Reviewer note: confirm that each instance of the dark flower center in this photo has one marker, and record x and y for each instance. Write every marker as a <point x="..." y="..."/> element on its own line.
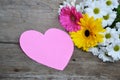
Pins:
<point x="87" y="33"/>
<point x="73" y="18"/>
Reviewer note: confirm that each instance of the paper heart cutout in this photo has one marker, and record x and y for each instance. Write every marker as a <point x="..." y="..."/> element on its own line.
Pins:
<point x="53" y="49"/>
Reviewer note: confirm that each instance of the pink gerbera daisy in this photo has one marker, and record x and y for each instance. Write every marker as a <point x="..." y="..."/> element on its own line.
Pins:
<point x="69" y="18"/>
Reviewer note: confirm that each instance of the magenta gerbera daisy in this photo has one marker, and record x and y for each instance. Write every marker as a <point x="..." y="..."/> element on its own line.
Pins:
<point x="69" y="18"/>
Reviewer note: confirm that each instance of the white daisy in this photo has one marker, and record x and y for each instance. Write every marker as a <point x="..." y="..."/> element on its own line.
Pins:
<point x="118" y="32"/>
<point x="110" y="36"/>
<point x="94" y="50"/>
<point x="109" y="18"/>
<point x="67" y="3"/>
<point x="111" y="3"/>
<point x="114" y="50"/>
<point x="88" y="2"/>
<point x="96" y="9"/>
<point x="118" y="25"/>
<point x="72" y="2"/>
<point x="104" y="55"/>
<point x="80" y="7"/>
<point x="83" y="4"/>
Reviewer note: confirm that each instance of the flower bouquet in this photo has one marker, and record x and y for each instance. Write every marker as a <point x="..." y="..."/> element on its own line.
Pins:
<point x="94" y="26"/>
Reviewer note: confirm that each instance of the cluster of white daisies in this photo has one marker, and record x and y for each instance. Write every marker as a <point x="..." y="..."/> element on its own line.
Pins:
<point x="109" y="49"/>
<point x="100" y="9"/>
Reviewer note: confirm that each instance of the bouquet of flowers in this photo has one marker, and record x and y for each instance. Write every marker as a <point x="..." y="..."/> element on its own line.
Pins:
<point x="94" y="26"/>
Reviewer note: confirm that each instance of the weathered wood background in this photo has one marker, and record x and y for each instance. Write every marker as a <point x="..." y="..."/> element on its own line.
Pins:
<point x="17" y="16"/>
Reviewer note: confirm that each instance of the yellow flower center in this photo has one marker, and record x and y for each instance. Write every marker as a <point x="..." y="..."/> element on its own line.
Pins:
<point x="108" y="2"/>
<point x="116" y="48"/>
<point x="106" y="17"/>
<point x="87" y="33"/>
<point x="108" y="36"/>
<point x="96" y="10"/>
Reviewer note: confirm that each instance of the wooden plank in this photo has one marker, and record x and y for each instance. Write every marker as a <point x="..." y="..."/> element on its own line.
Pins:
<point x="17" y="16"/>
<point x="12" y="27"/>
<point x="30" y="4"/>
<point x="52" y="77"/>
<point x="15" y="65"/>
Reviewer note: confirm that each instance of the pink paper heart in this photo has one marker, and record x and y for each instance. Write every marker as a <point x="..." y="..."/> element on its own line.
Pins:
<point x="53" y="49"/>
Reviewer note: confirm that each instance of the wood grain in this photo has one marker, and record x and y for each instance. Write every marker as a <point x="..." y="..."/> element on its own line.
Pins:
<point x="17" y="16"/>
<point x="16" y="65"/>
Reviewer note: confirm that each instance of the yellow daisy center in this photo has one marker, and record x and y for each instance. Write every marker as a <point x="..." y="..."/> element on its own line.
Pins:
<point x="106" y="17"/>
<point x="108" y="2"/>
<point x="96" y="10"/>
<point x="108" y="36"/>
<point x="116" y="48"/>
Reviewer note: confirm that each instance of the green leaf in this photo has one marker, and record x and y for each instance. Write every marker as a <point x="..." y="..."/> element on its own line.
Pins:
<point x="117" y="17"/>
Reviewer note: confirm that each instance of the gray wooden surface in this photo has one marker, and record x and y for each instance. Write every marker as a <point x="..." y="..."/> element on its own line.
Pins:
<point x="17" y="16"/>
